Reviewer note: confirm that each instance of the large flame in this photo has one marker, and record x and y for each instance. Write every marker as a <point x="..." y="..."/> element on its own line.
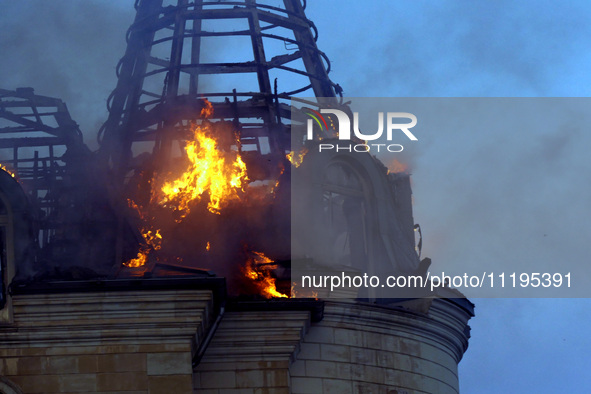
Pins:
<point x="215" y="174"/>
<point x="212" y="171"/>
<point x="215" y="171"/>
<point x="258" y="270"/>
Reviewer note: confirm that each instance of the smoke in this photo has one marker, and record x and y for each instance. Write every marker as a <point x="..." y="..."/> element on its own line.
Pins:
<point x="519" y="188"/>
<point x="418" y="48"/>
<point x="65" y="49"/>
<point x="493" y="197"/>
<point x="69" y="50"/>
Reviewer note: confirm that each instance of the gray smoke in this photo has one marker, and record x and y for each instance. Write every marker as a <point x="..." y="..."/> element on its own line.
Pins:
<point x="65" y="49"/>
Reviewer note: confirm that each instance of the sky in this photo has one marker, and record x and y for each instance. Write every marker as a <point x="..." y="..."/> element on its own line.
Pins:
<point x="490" y="197"/>
<point x="485" y="198"/>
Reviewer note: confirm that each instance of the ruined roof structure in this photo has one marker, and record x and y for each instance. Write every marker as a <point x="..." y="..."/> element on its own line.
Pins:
<point x="161" y="262"/>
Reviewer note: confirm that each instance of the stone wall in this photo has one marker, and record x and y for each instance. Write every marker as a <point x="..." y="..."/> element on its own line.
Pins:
<point x="362" y="348"/>
<point x="410" y="347"/>
<point x="110" y="342"/>
<point x="251" y="353"/>
<point x="146" y="342"/>
<point x="112" y="369"/>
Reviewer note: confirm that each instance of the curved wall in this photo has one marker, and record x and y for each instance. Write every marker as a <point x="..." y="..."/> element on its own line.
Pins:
<point x="413" y="347"/>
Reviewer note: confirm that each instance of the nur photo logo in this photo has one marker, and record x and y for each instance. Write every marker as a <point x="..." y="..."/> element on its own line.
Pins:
<point x="390" y="123"/>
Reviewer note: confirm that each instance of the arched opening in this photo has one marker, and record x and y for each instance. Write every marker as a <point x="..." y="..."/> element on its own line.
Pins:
<point x="8" y="387"/>
<point x="346" y="214"/>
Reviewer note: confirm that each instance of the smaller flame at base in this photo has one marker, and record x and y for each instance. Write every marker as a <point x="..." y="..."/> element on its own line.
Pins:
<point x="152" y="240"/>
<point x="258" y="269"/>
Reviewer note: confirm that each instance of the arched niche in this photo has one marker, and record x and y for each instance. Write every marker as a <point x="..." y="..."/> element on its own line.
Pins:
<point x="8" y="387"/>
<point x="345" y="214"/>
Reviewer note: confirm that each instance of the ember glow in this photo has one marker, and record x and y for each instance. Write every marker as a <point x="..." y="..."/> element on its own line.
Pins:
<point x="212" y="171"/>
<point x="2" y="167"/>
<point x="276" y="185"/>
<point x="258" y="269"/>
<point x="298" y="292"/>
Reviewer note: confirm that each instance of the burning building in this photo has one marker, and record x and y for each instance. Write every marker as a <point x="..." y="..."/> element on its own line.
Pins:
<point x="162" y="262"/>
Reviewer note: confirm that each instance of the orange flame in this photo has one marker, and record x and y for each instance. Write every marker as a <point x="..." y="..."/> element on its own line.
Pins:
<point x="258" y="269"/>
<point x="211" y="170"/>
<point x="215" y="171"/>
<point x="276" y="185"/>
<point x="140" y="260"/>
<point x="3" y="167"/>
<point x="397" y="167"/>
<point x="152" y="240"/>
<point x="207" y="110"/>
<point x="297" y="292"/>
<point x="208" y="246"/>
<point x="296" y="158"/>
<point x="132" y="204"/>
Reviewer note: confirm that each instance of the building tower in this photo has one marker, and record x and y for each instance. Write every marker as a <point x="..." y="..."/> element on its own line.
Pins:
<point x="158" y="322"/>
<point x="248" y="58"/>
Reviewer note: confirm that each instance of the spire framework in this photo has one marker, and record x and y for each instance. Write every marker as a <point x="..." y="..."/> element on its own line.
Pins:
<point x="247" y="58"/>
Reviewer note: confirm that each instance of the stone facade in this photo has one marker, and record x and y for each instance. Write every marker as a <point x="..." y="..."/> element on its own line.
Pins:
<point x="252" y="352"/>
<point x="110" y="342"/>
<point x="179" y="341"/>
<point x="361" y="348"/>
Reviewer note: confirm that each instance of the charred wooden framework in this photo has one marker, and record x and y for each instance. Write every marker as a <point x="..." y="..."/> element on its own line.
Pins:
<point x="164" y="74"/>
<point x="35" y="134"/>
